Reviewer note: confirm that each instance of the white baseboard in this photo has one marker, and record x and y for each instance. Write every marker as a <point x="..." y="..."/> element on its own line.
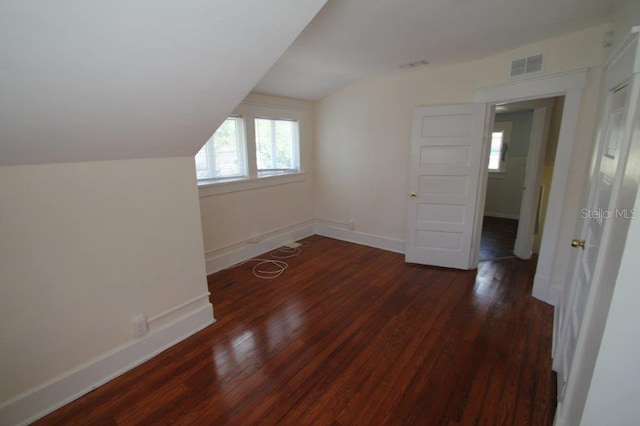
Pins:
<point x="543" y="290"/>
<point x="502" y="215"/>
<point x="384" y="243"/>
<point x="216" y="260"/>
<point x="46" y="398"/>
<point x="558" y="420"/>
<point x="540" y="287"/>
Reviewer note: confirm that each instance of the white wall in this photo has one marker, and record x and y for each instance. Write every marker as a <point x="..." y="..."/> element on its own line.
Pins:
<point x="615" y="386"/>
<point x="231" y="220"/>
<point x="504" y="190"/>
<point x="520" y="131"/>
<point x="85" y="247"/>
<point x="626" y="14"/>
<point x="363" y="131"/>
<point x="363" y="141"/>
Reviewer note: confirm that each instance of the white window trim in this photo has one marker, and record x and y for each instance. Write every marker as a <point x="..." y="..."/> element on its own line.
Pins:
<point x="242" y="184"/>
<point x="249" y="112"/>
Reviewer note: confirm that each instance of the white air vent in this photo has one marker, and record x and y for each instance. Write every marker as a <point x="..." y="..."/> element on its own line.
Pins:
<point x="527" y="65"/>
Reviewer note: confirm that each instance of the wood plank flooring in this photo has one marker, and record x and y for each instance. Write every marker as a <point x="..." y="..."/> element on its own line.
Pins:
<point x="349" y="335"/>
<point x="498" y="238"/>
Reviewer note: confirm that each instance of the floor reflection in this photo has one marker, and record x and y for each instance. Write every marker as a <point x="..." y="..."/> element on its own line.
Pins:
<point x="252" y="347"/>
<point x="286" y="326"/>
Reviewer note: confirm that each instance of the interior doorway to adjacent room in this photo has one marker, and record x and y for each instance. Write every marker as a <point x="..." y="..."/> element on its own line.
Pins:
<point x="520" y="163"/>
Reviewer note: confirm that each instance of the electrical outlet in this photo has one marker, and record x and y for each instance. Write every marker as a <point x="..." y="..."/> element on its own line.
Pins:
<point x="140" y="326"/>
<point x="351" y="225"/>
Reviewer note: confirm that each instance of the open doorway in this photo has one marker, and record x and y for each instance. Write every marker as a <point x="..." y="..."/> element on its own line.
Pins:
<point x="520" y="170"/>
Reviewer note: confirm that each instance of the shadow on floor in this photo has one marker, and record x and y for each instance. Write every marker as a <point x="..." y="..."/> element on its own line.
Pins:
<point x="498" y="238"/>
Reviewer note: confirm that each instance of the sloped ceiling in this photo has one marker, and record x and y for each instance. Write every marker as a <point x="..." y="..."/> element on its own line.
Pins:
<point x="350" y="40"/>
<point x="102" y="80"/>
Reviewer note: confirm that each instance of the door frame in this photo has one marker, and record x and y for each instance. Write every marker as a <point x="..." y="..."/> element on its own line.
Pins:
<point x="528" y="211"/>
<point x="569" y="85"/>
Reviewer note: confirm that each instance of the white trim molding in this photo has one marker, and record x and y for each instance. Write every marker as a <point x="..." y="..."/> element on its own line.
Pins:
<point x="543" y="290"/>
<point x="569" y="85"/>
<point x="502" y="215"/>
<point x="261" y="106"/>
<point x="48" y="397"/>
<point x="330" y="229"/>
<point x="244" y="184"/>
<point x="225" y="257"/>
<point x="531" y="88"/>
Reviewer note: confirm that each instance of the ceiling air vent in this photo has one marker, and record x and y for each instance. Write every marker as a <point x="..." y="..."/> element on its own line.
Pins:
<point x="527" y="65"/>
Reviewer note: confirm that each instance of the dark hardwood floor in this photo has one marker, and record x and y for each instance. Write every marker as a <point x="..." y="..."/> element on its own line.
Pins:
<point x="349" y="335"/>
<point x="498" y="237"/>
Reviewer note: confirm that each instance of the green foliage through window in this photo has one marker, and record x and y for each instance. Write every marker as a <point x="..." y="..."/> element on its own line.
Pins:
<point x="276" y="146"/>
<point x="223" y="156"/>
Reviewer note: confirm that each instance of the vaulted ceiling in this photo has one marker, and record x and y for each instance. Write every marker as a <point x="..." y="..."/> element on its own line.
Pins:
<point x="351" y="40"/>
<point x="103" y="80"/>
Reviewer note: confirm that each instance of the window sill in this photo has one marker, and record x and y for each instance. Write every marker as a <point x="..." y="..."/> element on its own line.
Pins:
<point x="207" y="189"/>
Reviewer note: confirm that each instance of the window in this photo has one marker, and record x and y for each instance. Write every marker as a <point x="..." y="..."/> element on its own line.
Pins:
<point x="495" y="154"/>
<point x="259" y="145"/>
<point x="500" y="138"/>
<point x="224" y="155"/>
<point x="276" y="146"/>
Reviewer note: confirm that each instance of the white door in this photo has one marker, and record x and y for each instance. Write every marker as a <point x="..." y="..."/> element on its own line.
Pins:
<point x="446" y="153"/>
<point x="573" y="307"/>
<point x="583" y="308"/>
<point x="530" y="203"/>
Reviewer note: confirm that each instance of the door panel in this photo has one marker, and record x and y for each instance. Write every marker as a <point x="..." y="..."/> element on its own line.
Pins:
<point x="453" y="155"/>
<point x="433" y="214"/>
<point x="602" y="200"/>
<point x="445" y="164"/>
<point x="444" y="185"/>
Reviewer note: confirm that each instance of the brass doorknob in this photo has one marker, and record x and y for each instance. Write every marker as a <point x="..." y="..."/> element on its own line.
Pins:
<point x="413" y="195"/>
<point x="577" y="243"/>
